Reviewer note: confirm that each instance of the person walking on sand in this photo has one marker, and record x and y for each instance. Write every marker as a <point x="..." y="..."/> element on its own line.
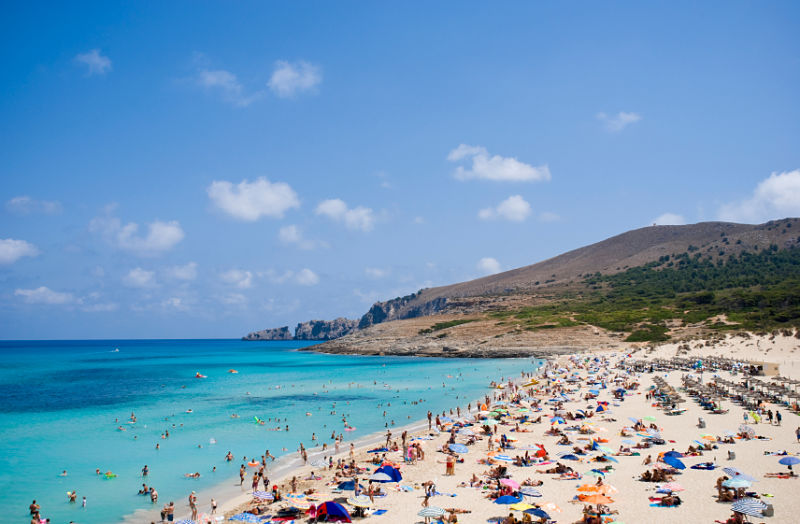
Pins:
<point x="241" y="474"/>
<point x="193" y="505"/>
<point x="778" y="417"/>
<point x="213" y="506"/>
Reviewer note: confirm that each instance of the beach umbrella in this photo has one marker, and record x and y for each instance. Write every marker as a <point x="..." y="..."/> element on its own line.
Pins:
<point x="348" y="485"/>
<point x="361" y="501"/>
<point x="489" y="422"/>
<point x="263" y="495"/>
<point x="520" y="506"/>
<point x="333" y="509"/>
<point x="458" y="448"/>
<point x="507" y="499"/>
<point x="594" y="391"/>
<point x="737" y="473"/>
<point x="513" y="484"/>
<point x="749" y="506"/>
<point x="432" y="512"/>
<point x="675" y="454"/>
<point x="557" y="420"/>
<point x="568" y="456"/>
<point x="674" y="462"/>
<point x="537" y="512"/>
<point x="186" y="521"/>
<point x="243" y="517"/>
<point x="596" y="498"/>
<point x="392" y="472"/>
<point x="672" y="486"/>
<point x="504" y="458"/>
<point x="737" y="483"/>
<point x="530" y="492"/>
<point x="550" y="506"/>
<point x="789" y="461"/>
<point x="380" y="477"/>
<point x="466" y="431"/>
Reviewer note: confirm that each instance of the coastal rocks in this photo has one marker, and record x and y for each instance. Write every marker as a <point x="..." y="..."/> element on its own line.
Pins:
<point x="281" y="333"/>
<point x="325" y="329"/>
<point x="400" y="308"/>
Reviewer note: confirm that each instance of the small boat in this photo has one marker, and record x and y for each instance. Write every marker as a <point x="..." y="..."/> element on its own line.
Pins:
<point x="198" y="375"/>
<point x="232" y="371"/>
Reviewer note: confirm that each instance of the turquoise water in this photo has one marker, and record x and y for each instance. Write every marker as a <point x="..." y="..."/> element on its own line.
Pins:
<point x="62" y="403"/>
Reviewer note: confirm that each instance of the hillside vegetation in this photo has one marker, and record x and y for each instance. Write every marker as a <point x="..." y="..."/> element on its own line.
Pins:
<point x="751" y="290"/>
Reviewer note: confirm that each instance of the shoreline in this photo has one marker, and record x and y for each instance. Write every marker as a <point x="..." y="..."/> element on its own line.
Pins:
<point x="231" y="496"/>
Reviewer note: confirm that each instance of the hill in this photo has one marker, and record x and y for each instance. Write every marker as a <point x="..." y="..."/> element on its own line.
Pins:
<point x="643" y="285"/>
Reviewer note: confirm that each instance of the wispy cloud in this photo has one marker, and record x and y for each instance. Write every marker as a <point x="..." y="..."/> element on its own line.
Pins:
<point x="140" y="278"/>
<point x="228" y="86"/>
<point x="44" y="295"/>
<point x="618" y="122"/>
<point x="304" y="277"/>
<point x="95" y="62"/>
<point x="160" y="237"/>
<point x="669" y="219"/>
<point x="514" y="209"/>
<point x="488" y="266"/>
<point x="358" y="218"/>
<point x="238" y="277"/>
<point x="25" y="205"/>
<point x="494" y="167"/>
<point x="12" y="250"/>
<point x="249" y="201"/>
<point x="293" y="235"/>
<point x="777" y="196"/>
<point x="185" y="272"/>
<point x="375" y="272"/>
<point x="289" y="79"/>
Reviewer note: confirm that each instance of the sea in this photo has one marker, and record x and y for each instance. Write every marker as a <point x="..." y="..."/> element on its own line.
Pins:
<point x="66" y="406"/>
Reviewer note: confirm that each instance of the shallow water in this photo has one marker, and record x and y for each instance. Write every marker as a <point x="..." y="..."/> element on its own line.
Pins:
<point x="61" y="404"/>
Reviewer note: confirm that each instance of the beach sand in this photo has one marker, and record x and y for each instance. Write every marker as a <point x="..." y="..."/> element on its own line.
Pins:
<point x="631" y="502"/>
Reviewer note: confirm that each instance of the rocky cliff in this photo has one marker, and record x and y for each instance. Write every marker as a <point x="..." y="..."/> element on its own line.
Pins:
<point x="324" y="329"/>
<point x="281" y="333"/>
<point x="400" y="308"/>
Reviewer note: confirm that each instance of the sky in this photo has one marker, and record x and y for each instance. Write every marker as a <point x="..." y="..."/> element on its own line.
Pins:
<point x="205" y="169"/>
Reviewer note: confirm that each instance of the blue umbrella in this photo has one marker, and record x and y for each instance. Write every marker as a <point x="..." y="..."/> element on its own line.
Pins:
<point x="393" y="473"/>
<point x="333" y="509"/>
<point x="507" y="499"/>
<point x="537" y="512"/>
<point x="594" y="391"/>
<point x="569" y="456"/>
<point x="244" y="517"/>
<point x="673" y="454"/>
<point x="789" y="461"/>
<point x="674" y="462"/>
<point x="736" y="482"/>
<point x="458" y="448"/>
<point x="557" y="420"/>
<point x="348" y="485"/>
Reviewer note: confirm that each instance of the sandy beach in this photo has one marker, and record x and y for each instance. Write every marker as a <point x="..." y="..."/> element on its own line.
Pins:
<point x="569" y="380"/>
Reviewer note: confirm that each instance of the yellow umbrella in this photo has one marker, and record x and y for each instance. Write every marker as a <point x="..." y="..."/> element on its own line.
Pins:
<point x="521" y="506"/>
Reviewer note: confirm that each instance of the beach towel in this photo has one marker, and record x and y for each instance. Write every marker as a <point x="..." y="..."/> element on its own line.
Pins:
<point x="379" y="511"/>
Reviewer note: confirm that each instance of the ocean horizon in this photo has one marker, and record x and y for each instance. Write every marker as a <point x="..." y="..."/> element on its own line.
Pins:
<point x="67" y="405"/>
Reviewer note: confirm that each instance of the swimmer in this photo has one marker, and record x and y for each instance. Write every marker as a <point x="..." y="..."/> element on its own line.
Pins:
<point x="64" y="473"/>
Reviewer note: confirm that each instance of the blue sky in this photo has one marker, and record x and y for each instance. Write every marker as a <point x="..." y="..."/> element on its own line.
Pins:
<point x="203" y="169"/>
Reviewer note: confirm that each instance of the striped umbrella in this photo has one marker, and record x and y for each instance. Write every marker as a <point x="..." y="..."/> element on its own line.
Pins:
<point x="263" y="495"/>
<point x="749" y="506"/>
<point x="186" y="521"/>
<point x="243" y="517"/>
<point x="737" y="482"/>
<point x="432" y="511"/>
<point x="361" y="501"/>
<point x="739" y="474"/>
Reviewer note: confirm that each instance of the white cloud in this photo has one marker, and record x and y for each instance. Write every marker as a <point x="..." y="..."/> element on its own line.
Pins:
<point x="374" y="272"/>
<point x="25" y="205"/>
<point x="775" y="197"/>
<point x="618" y="122"/>
<point x="160" y="237"/>
<point x="12" y="250"/>
<point x="488" y="266"/>
<point x="238" y="277"/>
<point x="104" y="307"/>
<point x="289" y="79"/>
<point x="233" y="299"/>
<point x="293" y="235"/>
<point x="96" y="63"/>
<point x="358" y="218"/>
<point x="175" y="304"/>
<point x="228" y="85"/>
<point x="514" y="208"/>
<point x="496" y="167"/>
<point x="306" y="277"/>
<point x="139" y="277"/>
<point x="185" y="272"/>
<point x="669" y="219"/>
<point x="44" y="295"/>
<point x="250" y="201"/>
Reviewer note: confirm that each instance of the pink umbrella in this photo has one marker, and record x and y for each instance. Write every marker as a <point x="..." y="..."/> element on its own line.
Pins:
<point x="672" y="486"/>
<point x="510" y="483"/>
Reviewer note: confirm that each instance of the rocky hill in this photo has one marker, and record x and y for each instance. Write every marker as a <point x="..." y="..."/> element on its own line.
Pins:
<point x="541" y="283"/>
